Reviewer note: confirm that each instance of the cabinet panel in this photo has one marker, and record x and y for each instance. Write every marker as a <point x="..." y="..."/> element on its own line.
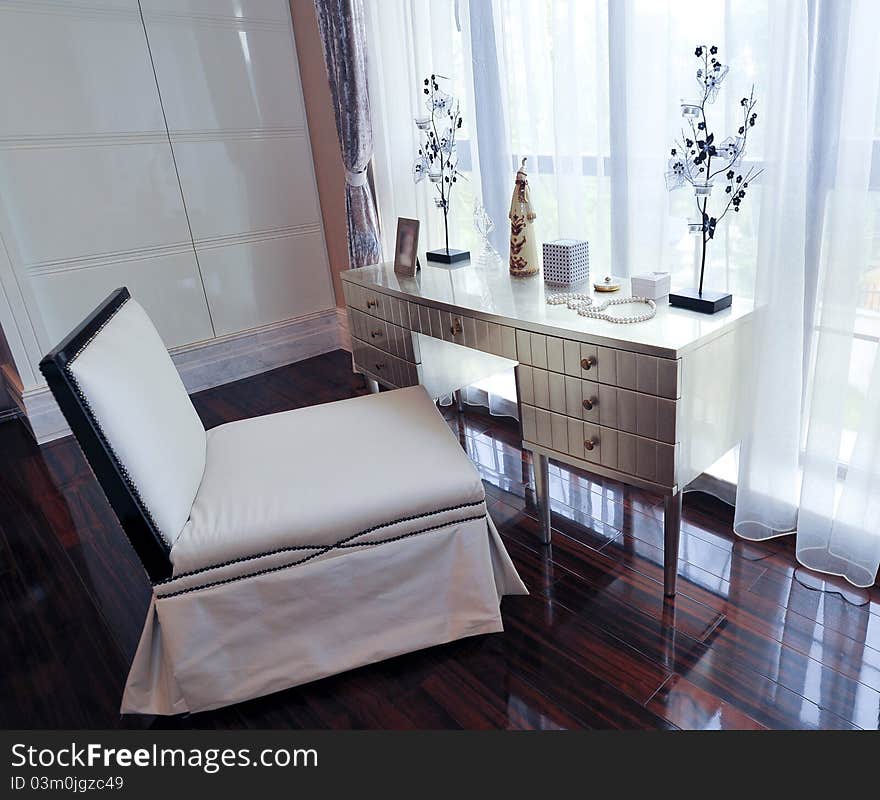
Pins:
<point x="591" y="444"/>
<point x="436" y="323"/>
<point x="523" y="346"/>
<point x="508" y="342"/>
<point x="575" y="437"/>
<point x="262" y="10"/>
<point x="496" y="346"/>
<point x="529" y="424"/>
<point x="526" y="386"/>
<point x="590" y="364"/>
<point x="425" y="320"/>
<point x="559" y="432"/>
<point x="555" y="355"/>
<point x="608" y="406"/>
<point x="470" y="333"/>
<point x="445" y="326"/>
<point x="632" y="455"/>
<point x="539" y="350"/>
<point x="257" y="283"/>
<point x="571" y="352"/>
<point x="456" y="328"/>
<point x="235" y="77"/>
<point x="238" y="186"/>
<point x="413" y="322"/>
<point x="556" y="392"/>
<point x="541" y="381"/>
<point x="483" y="336"/>
<point x="75" y="73"/>
<point x="168" y="288"/>
<point x="591" y="404"/>
<point x="608" y="455"/>
<point x="67" y="203"/>
<point x="573" y="397"/>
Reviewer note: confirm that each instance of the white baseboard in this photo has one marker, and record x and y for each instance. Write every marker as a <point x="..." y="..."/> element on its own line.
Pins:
<point x="38" y="409"/>
<point x="344" y="333"/>
<point x="203" y="365"/>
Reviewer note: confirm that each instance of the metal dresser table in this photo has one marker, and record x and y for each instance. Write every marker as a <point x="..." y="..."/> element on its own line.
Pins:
<point x="651" y="404"/>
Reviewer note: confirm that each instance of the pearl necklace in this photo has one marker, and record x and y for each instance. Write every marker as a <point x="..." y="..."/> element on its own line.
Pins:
<point x="584" y="305"/>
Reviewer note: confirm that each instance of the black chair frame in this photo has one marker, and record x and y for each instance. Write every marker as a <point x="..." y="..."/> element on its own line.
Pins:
<point x="122" y="494"/>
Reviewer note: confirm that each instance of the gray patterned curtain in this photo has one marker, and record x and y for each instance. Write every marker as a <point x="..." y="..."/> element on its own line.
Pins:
<point x="341" y="23"/>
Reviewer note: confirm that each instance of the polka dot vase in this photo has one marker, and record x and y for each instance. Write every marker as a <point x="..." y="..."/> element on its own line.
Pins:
<point x="566" y="262"/>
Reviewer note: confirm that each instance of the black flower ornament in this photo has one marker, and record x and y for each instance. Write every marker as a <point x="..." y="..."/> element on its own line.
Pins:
<point x="699" y="160"/>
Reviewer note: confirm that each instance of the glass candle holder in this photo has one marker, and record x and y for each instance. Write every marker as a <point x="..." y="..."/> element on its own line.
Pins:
<point x="702" y="189"/>
<point x="690" y="110"/>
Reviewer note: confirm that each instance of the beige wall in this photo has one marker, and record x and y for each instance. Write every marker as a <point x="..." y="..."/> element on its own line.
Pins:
<point x="329" y="171"/>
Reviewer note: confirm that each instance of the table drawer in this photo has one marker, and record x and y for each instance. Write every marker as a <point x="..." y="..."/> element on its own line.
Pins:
<point x="363" y="299"/>
<point x="624" y="452"/>
<point x="634" y="412"/>
<point x="635" y="371"/>
<point x="384" y="335"/>
<point x="478" y="334"/>
<point x="638" y="372"/>
<point x="383" y="366"/>
<point x="376" y="304"/>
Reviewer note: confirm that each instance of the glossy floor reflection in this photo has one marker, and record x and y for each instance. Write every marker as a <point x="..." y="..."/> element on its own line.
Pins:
<point x="746" y="644"/>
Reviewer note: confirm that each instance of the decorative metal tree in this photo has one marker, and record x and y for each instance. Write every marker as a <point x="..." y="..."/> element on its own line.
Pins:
<point x="697" y="160"/>
<point x="438" y="157"/>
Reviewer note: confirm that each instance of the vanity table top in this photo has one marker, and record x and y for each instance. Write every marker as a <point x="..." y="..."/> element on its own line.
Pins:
<point x="489" y="292"/>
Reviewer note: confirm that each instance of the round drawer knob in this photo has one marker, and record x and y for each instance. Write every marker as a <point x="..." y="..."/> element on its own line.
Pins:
<point x="380" y="366"/>
<point x="589" y="444"/>
<point x="588" y="404"/>
<point x="586" y="363"/>
<point x="455" y="328"/>
<point x="374" y="334"/>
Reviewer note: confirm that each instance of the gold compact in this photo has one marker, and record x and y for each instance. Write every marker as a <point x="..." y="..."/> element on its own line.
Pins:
<point x="607" y="285"/>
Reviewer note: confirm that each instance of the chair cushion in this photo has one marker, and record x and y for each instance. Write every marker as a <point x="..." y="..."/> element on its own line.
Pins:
<point x="135" y="393"/>
<point x="317" y="475"/>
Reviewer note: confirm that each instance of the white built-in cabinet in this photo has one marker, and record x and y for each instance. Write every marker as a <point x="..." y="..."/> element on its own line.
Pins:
<point x="161" y="145"/>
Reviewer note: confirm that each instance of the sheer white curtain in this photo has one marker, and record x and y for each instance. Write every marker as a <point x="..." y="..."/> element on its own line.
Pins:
<point x="589" y="91"/>
<point x="409" y="40"/>
<point x="829" y="493"/>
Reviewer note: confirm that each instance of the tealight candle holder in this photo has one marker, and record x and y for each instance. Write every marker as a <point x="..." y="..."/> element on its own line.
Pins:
<point x="702" y="188"/>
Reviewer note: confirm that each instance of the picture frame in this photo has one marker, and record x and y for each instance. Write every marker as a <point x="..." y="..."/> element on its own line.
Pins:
<point x="406" y="247"/>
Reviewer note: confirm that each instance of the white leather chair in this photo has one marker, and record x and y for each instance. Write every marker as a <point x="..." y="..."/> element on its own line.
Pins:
<point x="282" y="548"/>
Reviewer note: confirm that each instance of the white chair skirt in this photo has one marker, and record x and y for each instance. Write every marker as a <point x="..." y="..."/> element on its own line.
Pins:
<point x="243" y="631"/>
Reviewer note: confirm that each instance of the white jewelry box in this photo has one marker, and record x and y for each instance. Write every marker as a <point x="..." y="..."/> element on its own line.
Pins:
<point x="652" y="285"/>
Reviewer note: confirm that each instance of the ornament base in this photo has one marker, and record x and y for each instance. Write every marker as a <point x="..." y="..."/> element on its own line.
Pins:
<point x="450" y="256"/>
<point x="706" y="303"/>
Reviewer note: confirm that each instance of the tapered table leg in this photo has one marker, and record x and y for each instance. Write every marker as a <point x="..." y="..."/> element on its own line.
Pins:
<point x="671" y="534"/>
<point x="542" y="490"/>
<point x="372" y="385"/>
<point x="459" y="403"/>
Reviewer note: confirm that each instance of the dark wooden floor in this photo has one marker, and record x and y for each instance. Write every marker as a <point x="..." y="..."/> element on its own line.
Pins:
<point x="748" y="643"/>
